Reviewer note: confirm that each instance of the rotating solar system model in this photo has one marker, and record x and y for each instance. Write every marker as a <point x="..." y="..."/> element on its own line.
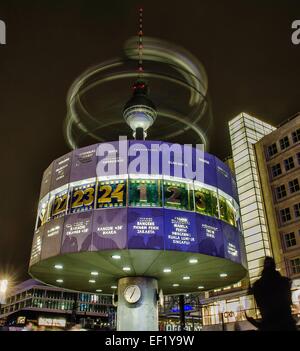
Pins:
<point x="128" y="217"/>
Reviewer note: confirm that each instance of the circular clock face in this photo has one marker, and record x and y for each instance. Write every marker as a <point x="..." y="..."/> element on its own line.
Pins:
<point x="132" y="293"/>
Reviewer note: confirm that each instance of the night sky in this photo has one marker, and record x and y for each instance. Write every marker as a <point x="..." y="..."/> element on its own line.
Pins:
<point x="245" y="47"/>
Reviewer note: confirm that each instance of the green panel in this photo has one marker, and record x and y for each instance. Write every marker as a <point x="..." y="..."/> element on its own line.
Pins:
<point x="145" y="192"/>
<point x="178" y="195"/>
<point x="227" y="211"/>
<point x="206" y="202"/>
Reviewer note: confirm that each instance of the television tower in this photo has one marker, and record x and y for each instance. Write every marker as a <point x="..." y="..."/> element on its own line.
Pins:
<point x="140" y="112"/>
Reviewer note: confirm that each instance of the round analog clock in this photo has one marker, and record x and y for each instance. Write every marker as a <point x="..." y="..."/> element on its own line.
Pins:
<point x="132" y="294"/>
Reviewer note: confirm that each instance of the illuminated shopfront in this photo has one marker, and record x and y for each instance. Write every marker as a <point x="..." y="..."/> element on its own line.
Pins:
<point x="229" y="310"/>
<point x="232" y="309"/>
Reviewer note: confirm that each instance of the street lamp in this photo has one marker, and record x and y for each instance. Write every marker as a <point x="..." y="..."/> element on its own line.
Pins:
<point x="3" y="290"/>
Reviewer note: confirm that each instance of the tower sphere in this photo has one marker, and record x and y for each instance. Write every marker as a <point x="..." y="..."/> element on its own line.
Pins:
<point x="140" y="112"/>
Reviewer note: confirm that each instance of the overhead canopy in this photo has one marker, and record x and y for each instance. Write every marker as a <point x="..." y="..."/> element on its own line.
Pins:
<point x="77" y="268"/>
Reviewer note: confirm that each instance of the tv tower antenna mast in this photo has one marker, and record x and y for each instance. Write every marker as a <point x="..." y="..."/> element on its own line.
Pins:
<point x="140" y="44"/>
<point x="140" y="112"/>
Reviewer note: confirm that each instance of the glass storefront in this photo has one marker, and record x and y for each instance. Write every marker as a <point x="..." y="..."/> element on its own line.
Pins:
<point x="58" y="301"/>
<point x="229" y="310"/>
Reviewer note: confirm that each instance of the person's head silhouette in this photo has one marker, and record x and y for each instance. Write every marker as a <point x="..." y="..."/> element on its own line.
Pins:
<point x="269" y="264"/>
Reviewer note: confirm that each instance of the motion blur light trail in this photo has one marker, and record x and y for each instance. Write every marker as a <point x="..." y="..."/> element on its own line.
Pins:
<point x="177" y="79"/>
<point x="183" y="61"/>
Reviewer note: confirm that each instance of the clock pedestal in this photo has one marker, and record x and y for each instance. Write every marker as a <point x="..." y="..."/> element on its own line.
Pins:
<point x="141" y="315"/>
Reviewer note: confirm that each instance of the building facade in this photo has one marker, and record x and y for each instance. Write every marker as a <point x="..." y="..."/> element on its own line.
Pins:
<point x="245" y="131"/>
<point x="266" y="162"/>
<point x="56" y="308"/>
<point x="278" y="159"/>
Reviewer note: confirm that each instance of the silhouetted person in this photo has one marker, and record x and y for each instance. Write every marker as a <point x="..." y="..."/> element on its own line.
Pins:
<point x="272" y="293"/>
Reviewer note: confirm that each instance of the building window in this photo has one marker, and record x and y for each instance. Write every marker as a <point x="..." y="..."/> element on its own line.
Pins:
<point x="272" y="150"/>
<point x="294" y="186"/>
<point x="284" y="143"/>
<point x="298" y="157"/>
<point x="297" y="210"/>
<point x="290" y="239"/>
<point x="285" y="215"/>
<point x="296" y="136"/>
<point x="276" y="170"/>
<point x="280" y="192"/>
<point x="295" y="264"/>
<point x="289" y="163"/>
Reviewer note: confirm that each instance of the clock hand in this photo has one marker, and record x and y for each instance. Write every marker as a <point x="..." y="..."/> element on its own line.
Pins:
<point x="132" y="293"/>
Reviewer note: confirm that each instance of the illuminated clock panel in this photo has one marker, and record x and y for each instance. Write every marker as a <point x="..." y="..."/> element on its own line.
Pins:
<point x="111" y="193"/>
<point x="145" y="192"/>
<point x="82" y="196"/>
<point x="178" y="195"/>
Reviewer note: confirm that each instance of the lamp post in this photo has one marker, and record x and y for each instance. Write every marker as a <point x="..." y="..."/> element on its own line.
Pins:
<point x="74" y="309"/>
<point x="182" y="313"/>
<point x="221" y="312"/>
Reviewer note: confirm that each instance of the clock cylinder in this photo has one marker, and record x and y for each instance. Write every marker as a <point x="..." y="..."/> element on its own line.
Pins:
<point x="131" y="316"/>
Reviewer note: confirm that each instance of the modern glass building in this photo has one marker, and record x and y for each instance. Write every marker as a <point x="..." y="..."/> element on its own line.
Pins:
<point x="245" y="131"/>
<point x="55" y="308"/>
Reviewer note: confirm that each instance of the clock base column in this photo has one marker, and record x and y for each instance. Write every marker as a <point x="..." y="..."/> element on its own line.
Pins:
<point x="141" y="315"/>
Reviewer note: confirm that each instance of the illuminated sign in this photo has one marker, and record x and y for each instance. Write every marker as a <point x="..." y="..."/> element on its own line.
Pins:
<point x="186" y="308"/>
<point x="210" y="236"/>
<point x="51" y="237"/>
<point x="145" y="192"/>
<point x="43" y="211"/>
<point x="52" y="322"/>
<point x="36" y="246"/>
<point x="82" y="197"/>
<point x="111" y="193"/>
<point x="61" y="171"/>
<point x="84" y="163"/>
<point x="109" y="229"/>
<point x="177" y="195"/>
<point x="139" y="158"/>
<point x="59" y="204"/>
<point x="206" y="201"/>
<point x="46" y="181"/>
<point x="145" y="228"/>
<point x="82" y="210"/>
<point x="89" y="189"/>
<point x="77" y="233"/>
<point x="180" y="231"/>
<point x="21" y="320"/>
